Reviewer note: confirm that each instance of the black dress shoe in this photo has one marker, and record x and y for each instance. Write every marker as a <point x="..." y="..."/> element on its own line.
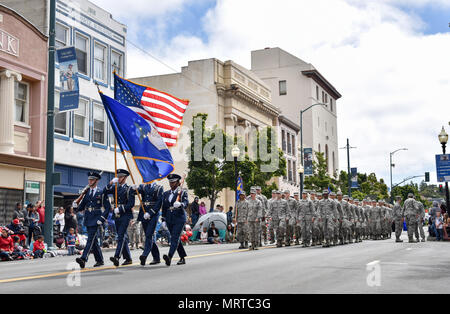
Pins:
<point x="127" y="262"/>
<point x="81" y="262"/>
<point x="181" y="261"/>
<point x="155" y="262"/>
<point x="167" y="259"/>
<point x="115" y="261"/>
<point x="98" y="264"/>
<point x="143" y="259"/>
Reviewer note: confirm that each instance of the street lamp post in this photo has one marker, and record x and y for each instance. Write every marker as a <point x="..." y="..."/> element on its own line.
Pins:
<point x="391" y="165"/>
<point x="301" y="143"/>
<point x="443" y="139"/>
<point x="235" y="152"/>
<point x="301" y="170"/>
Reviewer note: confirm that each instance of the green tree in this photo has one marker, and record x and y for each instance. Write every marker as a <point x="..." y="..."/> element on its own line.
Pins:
<point x="320" y="180"/>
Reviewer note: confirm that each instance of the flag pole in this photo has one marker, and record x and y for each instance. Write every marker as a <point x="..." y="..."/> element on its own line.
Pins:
<point x="134" y="182"/>
<point x="115" y="169"/>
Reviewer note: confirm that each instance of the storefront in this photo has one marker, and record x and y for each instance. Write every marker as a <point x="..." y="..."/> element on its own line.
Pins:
<point x="23" y="107"/>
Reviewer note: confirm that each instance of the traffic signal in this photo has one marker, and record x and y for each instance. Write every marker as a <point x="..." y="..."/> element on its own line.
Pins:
<point x="441" y="189"/>
<point x="427" y="177"/>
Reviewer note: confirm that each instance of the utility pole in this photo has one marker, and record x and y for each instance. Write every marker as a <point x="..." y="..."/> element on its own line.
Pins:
<point x="49" y="168"/>
<point x="348" y="147"/>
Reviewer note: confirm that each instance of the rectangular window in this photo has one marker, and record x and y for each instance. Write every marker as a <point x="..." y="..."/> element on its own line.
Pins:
<point x="294" y="171"/>
<point x="323" y="97"/>
<point x="289" y="171"/>
<point x="116" y="63"/>
<point x="99" y="125"/>
<point x="82" y="51"/>
<point x="61" y="35"/>
<point x="21" y="100"/>
<point x="111" y="136"/>
<point x="326" y="98"/>
<point x="99" y="62"/>
<point x="289" y="147"/>
<point x="283" y="88"/>
<point x="80" y="123"/>
<point x="331" y="104"/>
<point x="317" y="93"/>
<point x="61" y="118"/>
<point x="293" y="145"/>
<point x="283" y="141"/>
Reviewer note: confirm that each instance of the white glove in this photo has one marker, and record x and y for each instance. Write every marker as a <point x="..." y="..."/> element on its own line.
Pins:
<point x="116" y="211"/>
<point x="115" y="180"/>
<point x="99" y="222"/>
<point x="146" y="216"/>
<point x="176" y="204"/>
<point x="135" y="186"/>
<point x="74" y="205"/>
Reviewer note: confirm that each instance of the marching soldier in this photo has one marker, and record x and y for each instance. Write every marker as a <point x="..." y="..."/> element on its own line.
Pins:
<point x="271" y="225"/>
<point x="122" y="214"/>
<point x="175" y="202"/>
<point x="298" y="226"/>
<point x="338" y="216"/>
<point x="398" y="214"/>
<point x="411" y="211"/>
<point x="92" y="204"/>
<point x="327" y="210"/>
<point x="277" y="212"/>
<point x="420" y="222"/>
<point x="316" y="231"/>
<point x="291" y="219"/>
<point x="254" y="215"/>
<point x="357" y="221"/>
<point x="306" y="216"/>
<point x="242" y="221"/>
<point x="344" y="224"/>
<point x="263" y="227"/>
<point x="149" y="212"/>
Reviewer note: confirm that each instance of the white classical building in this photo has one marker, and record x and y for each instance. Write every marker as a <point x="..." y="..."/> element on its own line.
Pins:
<point x="83" y="138"/>
<point x="296" y="85"/>
<point x="234" y="98"/>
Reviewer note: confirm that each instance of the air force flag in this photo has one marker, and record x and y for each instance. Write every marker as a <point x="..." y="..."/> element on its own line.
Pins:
<point x="140" y="138"/>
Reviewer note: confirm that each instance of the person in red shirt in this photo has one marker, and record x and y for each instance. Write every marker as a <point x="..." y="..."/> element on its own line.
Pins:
<point x="41" y="211"/>
<point x="39" y="247"/>
<point x="6" y="246"/>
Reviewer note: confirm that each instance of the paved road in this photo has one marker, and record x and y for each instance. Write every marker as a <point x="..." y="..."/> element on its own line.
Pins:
<point x="393" y="268"/>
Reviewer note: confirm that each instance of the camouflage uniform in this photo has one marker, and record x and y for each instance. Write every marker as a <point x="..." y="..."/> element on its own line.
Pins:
<point x="242" y="222"/>
<point x="411" y="211"/>
<point x="263" y="225"/>
<point x="420" y="222"/>
<point x="271" y="225"/>
<point x="134" y="230"/>
<point x="291" y="219"/>
<point x="327" y="211"/>
<point x="398" y="215"/>
<point x="306" y="215"/>
<point x="254" y="218"/>
<point x="277" y="212"/>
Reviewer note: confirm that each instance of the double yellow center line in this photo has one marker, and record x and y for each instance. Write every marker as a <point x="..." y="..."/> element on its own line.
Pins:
<point x="111" y="267"/>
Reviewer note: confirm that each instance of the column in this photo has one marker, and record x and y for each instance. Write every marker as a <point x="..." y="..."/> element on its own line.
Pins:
<point x="7" y="110"/>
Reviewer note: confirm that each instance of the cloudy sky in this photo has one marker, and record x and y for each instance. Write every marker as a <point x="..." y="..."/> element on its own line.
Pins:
<point x="390" y="59"/>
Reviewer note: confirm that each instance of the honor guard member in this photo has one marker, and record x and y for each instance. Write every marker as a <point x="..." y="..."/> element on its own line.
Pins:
<point x="174" y="213"/>
<point x="327" y="210"/>
<point x="291" y="217"/>
<point x="149" y="212"/>
<point x="398" y="218"/>
<point x="242" y="221"/>
<point x="254" y="216"/>
<point x="306" y="216"/>
<point x="298" y="226"/>
<point x="263" y="226"/>
<point x="123" y="213"/>
<point x="92" y="204"/>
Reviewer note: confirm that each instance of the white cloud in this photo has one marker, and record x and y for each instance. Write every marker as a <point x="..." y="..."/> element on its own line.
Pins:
<point x="393" y="78"/>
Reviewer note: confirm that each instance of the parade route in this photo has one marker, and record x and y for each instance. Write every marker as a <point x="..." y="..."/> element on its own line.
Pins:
<point x="367" y="267"/>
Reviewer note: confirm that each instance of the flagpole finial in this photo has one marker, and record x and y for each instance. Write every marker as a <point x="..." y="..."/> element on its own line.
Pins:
<point x="98" y="87"/>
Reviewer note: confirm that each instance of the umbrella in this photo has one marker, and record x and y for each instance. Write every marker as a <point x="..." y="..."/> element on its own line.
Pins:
<point x="219" y="219"/>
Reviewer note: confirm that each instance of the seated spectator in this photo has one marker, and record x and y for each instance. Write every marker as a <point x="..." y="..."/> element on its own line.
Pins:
<point x="39" y="247"/>
<point x="19" y="252"/>
<point x="71" y="240"/>
<point x="18" y="230"/>
<point x="229" y="234"/>
<point x="6" y="246"/>
<point x="439" y="225"/>
<point x="204" y="235"/>
<point x="213" y="234"/>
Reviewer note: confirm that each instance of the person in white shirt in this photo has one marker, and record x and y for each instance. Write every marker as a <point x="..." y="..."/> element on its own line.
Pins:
<point x="59" y="219"/>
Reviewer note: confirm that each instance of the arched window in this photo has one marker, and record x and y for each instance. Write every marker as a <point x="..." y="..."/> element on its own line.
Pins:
<point x="319" y="149"/>
<point x="326" y="157"/>
<point x="334" y="164"/>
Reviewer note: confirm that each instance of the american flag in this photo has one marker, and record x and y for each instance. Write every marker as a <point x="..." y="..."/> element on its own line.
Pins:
<point x="160" y="109"/>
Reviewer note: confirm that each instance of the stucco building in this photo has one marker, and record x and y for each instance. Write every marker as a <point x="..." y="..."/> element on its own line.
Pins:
<point x="23" y="107"/>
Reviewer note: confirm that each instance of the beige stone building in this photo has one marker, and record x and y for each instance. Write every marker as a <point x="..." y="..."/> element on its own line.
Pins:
<point x="234" y="98"/>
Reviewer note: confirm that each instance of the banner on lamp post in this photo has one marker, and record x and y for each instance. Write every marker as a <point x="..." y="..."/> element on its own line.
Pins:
<point x="308" y="161"/>
<point x="68" y="75"/>
<point x="354" y="178"/>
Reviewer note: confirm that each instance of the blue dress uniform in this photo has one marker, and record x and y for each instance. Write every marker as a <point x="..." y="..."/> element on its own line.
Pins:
<point x="92" y="204"/>
<point x="175" y="219"/>
<point x="125" y="204"/>
<point x="152" y="195"/>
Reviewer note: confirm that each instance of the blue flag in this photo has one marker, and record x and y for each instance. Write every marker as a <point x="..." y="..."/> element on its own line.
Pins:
<point x="140" y="138"/>
<point x="239" y="188"/>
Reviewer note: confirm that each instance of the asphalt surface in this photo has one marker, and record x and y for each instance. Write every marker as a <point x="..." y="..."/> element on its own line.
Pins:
<point x="368" y="267"/>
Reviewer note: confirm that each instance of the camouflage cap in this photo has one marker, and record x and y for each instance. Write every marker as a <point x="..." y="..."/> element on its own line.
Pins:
<point x="398" y="197"/>
<point x="410" y="195"/>
<point x="313" y="192"/>
<point x="278" y="192"/>
<point x="333" y="194"/>
<point x="296" y="193"/>
<point x="346" y="196"/>
<point x="287" y="192"/>
<point x="325" y="192"/>
<point x="339" y="193"/>
<point x="258" y="187"/>
<point x="243" y="193"/>
<point x="274" y="191"/>
<point x="252" y="191"/>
